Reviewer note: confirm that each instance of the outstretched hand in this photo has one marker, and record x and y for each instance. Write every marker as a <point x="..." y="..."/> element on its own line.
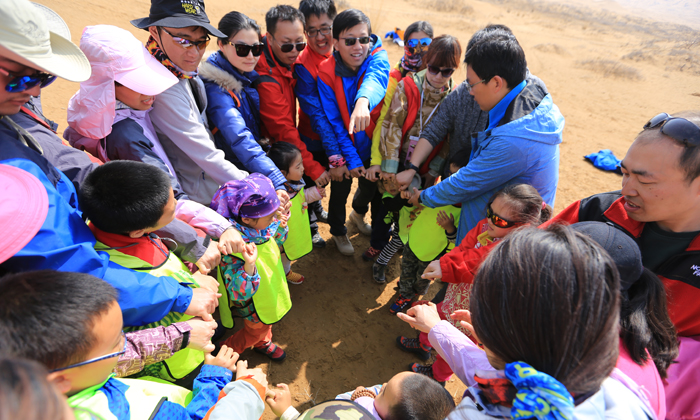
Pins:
<point x="465" y="320"/>
<point x="421" y="317"/>
<point x="279" y="399"/>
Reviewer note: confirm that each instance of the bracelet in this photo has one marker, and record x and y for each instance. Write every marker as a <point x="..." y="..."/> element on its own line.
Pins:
<point x="336" y="161"/>
<point x="362" y="393"/>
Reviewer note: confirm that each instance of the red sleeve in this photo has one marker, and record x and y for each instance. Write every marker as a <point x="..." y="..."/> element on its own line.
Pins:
<point x="460" y="264"/>
<point x="278" y="123"/>
<point x="567" y="216"/>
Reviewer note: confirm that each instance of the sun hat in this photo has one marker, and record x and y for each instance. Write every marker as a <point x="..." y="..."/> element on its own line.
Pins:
<point x="177" y="14"/>
<point x="56" y="24"/>
<point x="115" y="55"/>
<point x="25" y="38"/>
<point x="621" y="247"/>
<point x="253" y="196"/>
<point x="23" y="209"/>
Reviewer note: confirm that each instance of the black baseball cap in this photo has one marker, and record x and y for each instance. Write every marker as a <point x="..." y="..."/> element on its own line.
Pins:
<point x="177" y="14"/>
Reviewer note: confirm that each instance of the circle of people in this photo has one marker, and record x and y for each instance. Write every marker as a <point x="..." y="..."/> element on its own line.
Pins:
<point x="186" y="183"/>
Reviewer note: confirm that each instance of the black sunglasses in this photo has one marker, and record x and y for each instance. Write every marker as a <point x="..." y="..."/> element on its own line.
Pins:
<point x="22" y="83"/>
<point x="285" y="48"/>
<point x="242" y="50"/>
<point x="678" y="129"/>
<point x="364" y="40"/>
<point x="445" y="72"/>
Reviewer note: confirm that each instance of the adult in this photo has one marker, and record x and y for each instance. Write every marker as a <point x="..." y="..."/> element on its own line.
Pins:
<point x="29" y="61"/>
<point x="520" y="144"/>
<point x="658" y="206"/>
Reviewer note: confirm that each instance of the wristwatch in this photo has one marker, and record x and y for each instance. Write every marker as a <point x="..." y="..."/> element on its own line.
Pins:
<point x="410" y="165"/>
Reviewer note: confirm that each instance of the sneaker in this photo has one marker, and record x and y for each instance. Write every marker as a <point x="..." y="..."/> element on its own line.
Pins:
<point x="271" y="350"/>
<point x="378" y="273"/>
<point x="322" y="216"/>
<point x="371" y="253"/>
<point x="318" y="241"/>
<point x="413" y="345"/>
<point x="426" y="370"/>
<point x="359" y="220"/>
<point x="343" y="244"/>
<point x="294" y="278"/>
<point x="400" y="304"/>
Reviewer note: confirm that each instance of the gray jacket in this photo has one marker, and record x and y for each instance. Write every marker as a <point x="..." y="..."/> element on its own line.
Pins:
<point x="181" y="125"/>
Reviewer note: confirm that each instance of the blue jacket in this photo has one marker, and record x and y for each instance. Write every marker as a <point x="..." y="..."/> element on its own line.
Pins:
<point x="237" y="122"/>
<point x="65" y="243"/>
<point x="522" y="149"/>
<point x="370" y="81"/>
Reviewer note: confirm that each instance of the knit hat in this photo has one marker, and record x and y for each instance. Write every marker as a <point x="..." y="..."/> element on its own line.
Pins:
<point x="252" y="197"/>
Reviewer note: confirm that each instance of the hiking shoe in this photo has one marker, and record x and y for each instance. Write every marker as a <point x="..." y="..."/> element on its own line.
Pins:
<point x="371" y="253"/>
<point x="318" y="241"/>
<point x="359" y="220"/>
<point x="400" y="304"/>
<point x="426" y="370"/>
<point x="343" y="244"/>
<point x="413" y="345"/>
<point x="271" y="350"/>
<point x="294" y="278"/>
<point x="321" y="216"/>
<point x="378" y="273"/>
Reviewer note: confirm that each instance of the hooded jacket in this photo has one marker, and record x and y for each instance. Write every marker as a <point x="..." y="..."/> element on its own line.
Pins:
<point x="369" y="81"/>
<point x="234" y="116"/>
<point x="522" y="148"/>
<point x="313" y="124"/>
<point x="278" y="109"/>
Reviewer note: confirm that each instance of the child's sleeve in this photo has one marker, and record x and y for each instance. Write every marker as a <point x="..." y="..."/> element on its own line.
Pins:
<point x="210" y="381"/>
<point x="281" y="233"/>
<point x="312" y="194"/>
<point x="241" y="286"/>
<point x="152" y="345"/>
<point x="242" y="399"/>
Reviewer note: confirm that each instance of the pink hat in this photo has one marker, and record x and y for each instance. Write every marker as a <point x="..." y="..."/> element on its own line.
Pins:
<point x="23" y="209"/>
<point x="115" y="55"/>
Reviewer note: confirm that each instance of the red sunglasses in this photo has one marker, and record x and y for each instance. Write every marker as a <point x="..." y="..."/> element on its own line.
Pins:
<point x="497" y="220"/>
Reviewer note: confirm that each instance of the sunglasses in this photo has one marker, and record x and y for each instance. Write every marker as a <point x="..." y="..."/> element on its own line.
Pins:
<point x="242" y="50"/>
<point x="678" y="129"/>
<point x="349" y="42"/>
<point x="323" y="31"/>
<point x="285" y="48"/>
<point x="446" y="73"/>
<point x="96" y="359"/>
<point x="186" y="43"/>
<point x="413" y="43"/>
<point x="22" y="83"/>
<point x="497" y="220"/>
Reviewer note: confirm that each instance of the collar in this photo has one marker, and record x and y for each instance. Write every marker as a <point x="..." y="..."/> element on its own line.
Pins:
<point x="496" y="114"/>
<point x="84" y="395"/>
<point x="256" y="236"/>
<point x="219" y="60"/>
<point x="148" y="248"/>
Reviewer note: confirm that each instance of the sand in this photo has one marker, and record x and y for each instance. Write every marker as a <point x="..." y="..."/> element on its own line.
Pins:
<point x="608" y="68"/>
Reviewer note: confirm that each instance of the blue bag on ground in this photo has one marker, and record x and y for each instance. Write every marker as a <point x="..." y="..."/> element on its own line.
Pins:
<point x="605" y="160"/>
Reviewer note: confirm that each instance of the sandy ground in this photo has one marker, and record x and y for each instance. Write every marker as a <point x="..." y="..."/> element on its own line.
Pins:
<point x="608" y="70"/>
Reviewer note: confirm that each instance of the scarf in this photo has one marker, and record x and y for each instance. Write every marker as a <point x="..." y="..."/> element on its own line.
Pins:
<point x="160" y="55"/>
<point x="412" y="59"/>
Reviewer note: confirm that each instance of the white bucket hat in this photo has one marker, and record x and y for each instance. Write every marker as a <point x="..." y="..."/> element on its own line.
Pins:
<point x="26" y="39"/>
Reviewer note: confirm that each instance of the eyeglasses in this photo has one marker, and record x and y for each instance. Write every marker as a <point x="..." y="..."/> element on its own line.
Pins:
<point x="445" y="72"/>
<point x="242" y="50"/>
<point x="22" y="83"/>
<point x="470" y="86"/>
<point x="96" y="359"/>
<point x="413" y="43"/>
<point x="288" y="47"/>
<point x="186" y="43"/>
<point x="497" y="220"/>
<point x="349" y="42"/>
<point x="678" y="129"/>
<point x="312" y="33"/>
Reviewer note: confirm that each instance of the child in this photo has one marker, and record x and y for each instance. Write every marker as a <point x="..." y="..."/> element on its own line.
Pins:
<point x="255" y="279"/>
<point x="287" y="157"/>
<point x="125" y="201"/>
<point x="514" y="206"/>
<point x="407" y="396"/>
<point x="79" y="343"/>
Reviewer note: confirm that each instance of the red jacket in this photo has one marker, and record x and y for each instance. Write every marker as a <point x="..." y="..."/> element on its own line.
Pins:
<point x="278" y="107"/>
<point x="461" y="264"/>
<point x="310" y="59"/>
<point x="680" y="273"/>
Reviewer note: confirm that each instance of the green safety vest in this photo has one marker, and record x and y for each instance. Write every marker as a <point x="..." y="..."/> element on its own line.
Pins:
<point x="144" y="397"/>
<point x="272" y="300"/>
<point x="185" y="361"/>
<point x="426" y="238"/>
<point x="298" y="241"/>
<point x="405" y="223"/>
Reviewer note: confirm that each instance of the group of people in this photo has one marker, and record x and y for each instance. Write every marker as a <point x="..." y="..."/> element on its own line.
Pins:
<point x="185" y="186"/>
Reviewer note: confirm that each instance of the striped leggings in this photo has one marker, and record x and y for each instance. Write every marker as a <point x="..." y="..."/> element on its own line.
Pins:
<point x="390" y="249"/>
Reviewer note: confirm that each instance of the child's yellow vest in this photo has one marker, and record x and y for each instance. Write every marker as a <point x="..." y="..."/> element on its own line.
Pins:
<point x="298" y="241"/>
<point x="426" y="238"/>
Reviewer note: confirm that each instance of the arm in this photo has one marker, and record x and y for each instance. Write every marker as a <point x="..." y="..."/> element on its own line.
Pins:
<point x="145" y="347"/>
<point x="376" y="79"/>
<point x="202" y="217"/>
<point x="241" y="286"/>
<point x="461" y="264"/>
<point x="345" y="143"/>
<point x="277" y="116"/>
<point x="223" y="114"/>
<point x="207" y="386"/>
<point x="306" y="90"/>
<point x="392" y="131"/>
<point x="376" y="157"/>
<point x="189" y="245"/>
<point x="281" y="234"/>
<point x="243" y="400"/>
<point x="175" y="119"/>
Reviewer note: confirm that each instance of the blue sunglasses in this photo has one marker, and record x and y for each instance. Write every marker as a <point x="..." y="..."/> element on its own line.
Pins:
<point x="22" y="83"/>
<point x="413" y="43"/>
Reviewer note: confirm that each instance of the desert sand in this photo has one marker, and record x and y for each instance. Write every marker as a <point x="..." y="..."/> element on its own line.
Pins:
<point x="608" y="68"/>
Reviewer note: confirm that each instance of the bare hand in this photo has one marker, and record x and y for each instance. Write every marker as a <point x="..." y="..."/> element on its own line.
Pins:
<point x="358" y="172"/>
<point x="386" y="176"/>
<point x="360" y="118"/>
<point x="421" y="317"/>
<point x="323" y="180"/>
<point x="404" y="178"/>
<point x="242" y="371"/>
<point x="279" y="399"/>
<point x="206" y="282"/>
<point x="446" y="222"/>
<point x="414" y="200"/>
<point x="201" y="334"/>
<point x="203" y="303"/>
<point x="321" y="191"/>
<point x="226" y="358"/>
<point x="231" y="242"/>
<point x="372" y="173"/>
<point x="340" y="173"/>
<point x="433" y="271"/>
<point x="283" y="196"/>
<point x="210" y="259"/>
<point x="465" y="319"/>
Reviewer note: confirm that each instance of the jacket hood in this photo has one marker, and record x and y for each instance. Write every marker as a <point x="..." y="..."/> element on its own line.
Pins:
<point x="344" y="71"/>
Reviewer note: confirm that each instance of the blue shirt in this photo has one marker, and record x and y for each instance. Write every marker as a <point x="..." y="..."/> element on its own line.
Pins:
<point x="497" y="112"/>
